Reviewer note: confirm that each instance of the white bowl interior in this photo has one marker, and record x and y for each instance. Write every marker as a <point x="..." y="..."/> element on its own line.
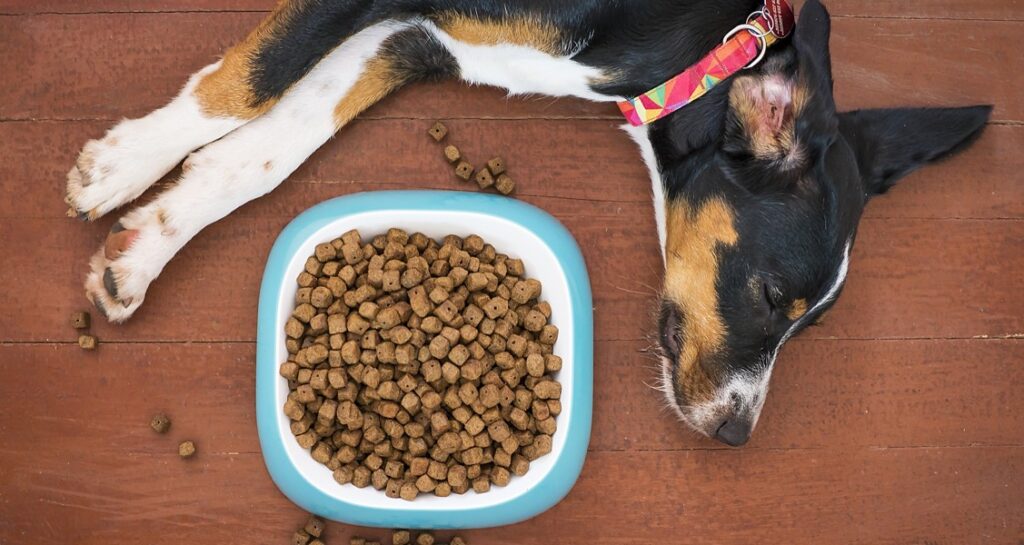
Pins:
<point x="507" y="237"/>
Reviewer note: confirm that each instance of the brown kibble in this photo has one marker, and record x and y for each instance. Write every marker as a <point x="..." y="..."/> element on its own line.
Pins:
<point x="438" y="131"/>
<point x="87" y="342"/>
<point x="186" y="449"/>
<point x="548" y="389"/>
<point x="409" y="491"/>
<point x="452" y="153"/>
<point x="548" y="335"/>
<point x="496" y="308"/>
<point x="80" y="320"/>
<point x="400" y="537"/>
<point x="425" y="539"/>
<point x="483" y="178"/>
<point x="504" y="184"/>
<point x="496" y="166"/>
<point x="160" y="423"/>
<point x="314" y="526"/>
<point x="464" y="170"/>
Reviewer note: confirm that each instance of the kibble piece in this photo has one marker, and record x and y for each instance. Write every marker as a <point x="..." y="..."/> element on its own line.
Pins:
<point x="497" y="167"/>
<point x="464" y="170"/>
<point x="504" y="184"/>
<point x="438" y="132"/>
<point x="87" y="342"/>
<point x="314" y="526"/>
<point x="160" y="423"/>
<point x="483" y="178"/>
<point x="452" y="153"/>
<point x="400" y="537"/>
<point x="548" y="335"/>
<point x="186" y="449"/>
<point x="301" y="537"/>
<point x="80" y="320"/>
<point x="425" y="539"/>
<point x="409" y="491"/>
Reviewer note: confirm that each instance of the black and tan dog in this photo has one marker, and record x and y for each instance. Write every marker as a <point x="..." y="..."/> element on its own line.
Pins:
<point x="758" y="186"/>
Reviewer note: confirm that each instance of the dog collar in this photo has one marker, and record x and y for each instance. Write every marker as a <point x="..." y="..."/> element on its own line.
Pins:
<point x="743" y="47"/>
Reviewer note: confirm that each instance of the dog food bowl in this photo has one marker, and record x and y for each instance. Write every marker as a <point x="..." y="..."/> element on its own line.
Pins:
<point x="550" y="255"/>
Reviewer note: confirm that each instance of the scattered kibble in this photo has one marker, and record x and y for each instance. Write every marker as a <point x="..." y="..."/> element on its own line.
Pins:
<point x="160" y="423"/>
<point x="504" y="184"/>
<point x="314" y="526"/>
<point x="187" y="449"/>
<point x="491" y="175"/>
<point x="421" y="366"/>
<point x="80" y="320"/>
<point x="438" y="131"/>
<point x="87" y="342"/>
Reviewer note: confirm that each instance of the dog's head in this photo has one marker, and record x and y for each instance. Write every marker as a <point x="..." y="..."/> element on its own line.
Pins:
<point x="759" y="223"/>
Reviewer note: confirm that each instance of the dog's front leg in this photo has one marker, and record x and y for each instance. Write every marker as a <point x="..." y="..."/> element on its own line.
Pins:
<point x="245" y="164"/>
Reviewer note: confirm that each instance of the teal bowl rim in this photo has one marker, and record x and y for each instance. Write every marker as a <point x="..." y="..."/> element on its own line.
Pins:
<point x="566" y="468"/>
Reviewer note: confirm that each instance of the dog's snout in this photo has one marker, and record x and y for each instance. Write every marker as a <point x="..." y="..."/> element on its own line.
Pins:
<point x="734" y="431"/>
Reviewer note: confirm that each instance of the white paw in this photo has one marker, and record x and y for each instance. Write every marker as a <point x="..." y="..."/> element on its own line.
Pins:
<point x="136" y="250"/>
<point x="115" y="170"/>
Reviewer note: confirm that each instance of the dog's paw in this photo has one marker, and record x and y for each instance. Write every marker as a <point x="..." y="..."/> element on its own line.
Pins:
<point x="111" y="172"/>
<point x="131" y="258"/>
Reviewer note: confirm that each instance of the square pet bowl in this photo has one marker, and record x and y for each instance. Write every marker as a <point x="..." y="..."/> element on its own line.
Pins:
<point x="513" y="227"/>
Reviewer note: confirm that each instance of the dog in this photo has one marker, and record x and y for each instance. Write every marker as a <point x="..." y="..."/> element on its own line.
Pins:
<point x="758" y="186"/>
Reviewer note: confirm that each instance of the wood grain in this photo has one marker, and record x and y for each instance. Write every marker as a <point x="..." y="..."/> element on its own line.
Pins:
<point x="945" y="495"/>
<point x="908" y="279"/>
<point x="900" y="420"/>
<point x="86" y="66"/>
<point x="825" y="394"/>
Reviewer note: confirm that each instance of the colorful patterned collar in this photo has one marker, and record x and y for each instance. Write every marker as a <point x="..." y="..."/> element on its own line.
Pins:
<point x="743" y="47"/>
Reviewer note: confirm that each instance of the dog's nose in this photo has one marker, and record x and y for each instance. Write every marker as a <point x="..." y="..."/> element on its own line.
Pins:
<point x="734" y="432"/>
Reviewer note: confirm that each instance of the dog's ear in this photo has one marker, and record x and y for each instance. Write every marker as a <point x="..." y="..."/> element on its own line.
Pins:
<point x="892" y="143"/>
<point x="811" y="42"/>
<point x="782" y="114"/>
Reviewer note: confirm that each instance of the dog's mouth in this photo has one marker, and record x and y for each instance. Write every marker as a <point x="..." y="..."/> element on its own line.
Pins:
<point x="670" y="343"/>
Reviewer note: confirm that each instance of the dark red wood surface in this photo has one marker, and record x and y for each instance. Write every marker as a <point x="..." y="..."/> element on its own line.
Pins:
<point x="899" y="420"/>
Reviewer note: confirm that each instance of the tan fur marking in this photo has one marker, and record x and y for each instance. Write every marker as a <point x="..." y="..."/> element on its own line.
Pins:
<point x="268" y="165"/>
<point x="691" y="273"/>
<point x="376" y="81"/>
<point x="526" y="31"/>
<point x="227" y="91"/>
<point x="748" y="99"/>
<point x="797" y="309"/>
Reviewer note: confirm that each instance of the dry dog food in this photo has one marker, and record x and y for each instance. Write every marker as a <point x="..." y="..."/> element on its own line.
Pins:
<point x="160" y="423"/>
<point x="186" y="449"/>
<point x="438" y="131"/>
<point x="419" y="366"/>
<point x="80" y="320"/>
<point x="491" y="175"/>
<point x="87" y="342"/>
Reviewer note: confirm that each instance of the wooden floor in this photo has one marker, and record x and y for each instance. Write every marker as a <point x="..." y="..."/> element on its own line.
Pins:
<point x="900" y="420"/>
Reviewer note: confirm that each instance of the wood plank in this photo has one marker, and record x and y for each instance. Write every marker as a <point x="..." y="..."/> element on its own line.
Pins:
<point x="735" y="496"/>
<point x="87" y="66"/>
<point x="602" y="164"/>
<point x="998" y="10"/>
<point x="1003" y="10"/>
<point x="910" y="278"/>
<point x="825" y="394"/>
